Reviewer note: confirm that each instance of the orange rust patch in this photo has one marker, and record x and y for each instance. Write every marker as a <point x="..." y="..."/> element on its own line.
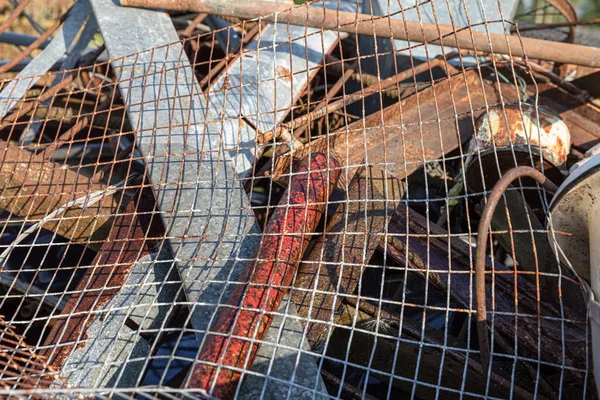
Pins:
<point x="283" y="73"/>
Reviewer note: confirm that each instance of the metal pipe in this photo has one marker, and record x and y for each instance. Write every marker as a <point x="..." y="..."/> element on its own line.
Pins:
<point x="482" y="233"/>
<point x="537" y="27"/>
<point x="230" y="344"/>
<point x="385" y="27"/>
<point x="20" y="39"/>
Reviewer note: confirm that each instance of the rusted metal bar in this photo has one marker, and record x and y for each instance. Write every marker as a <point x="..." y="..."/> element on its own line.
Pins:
<point x="33" y="46"/>
<point x="230" y="57"/>
<point x="335" y="264"/>
<point x="21" y="366"/>
<point x="187" y="32"/>
<point x="230" y="340"/>
<point x="567" y="10"/>
<point x="385" y="27"/>
<point x="527" y="244"/>
<point x="482" y="239"/>
<point x="441" y="117"/>
<point x="112" y="119"/>
<point x="560" y="82"/>
<point x="536" y="27"/>
<point x="85" y="121"/>
<point x="328" y="108"/>
<point x="506" y="137"/>
<point x="67" y="42"/>
<point x="133" y="235"/>
<point x="346" y="74"/>
<point x="32" y="187"/>
<point x="24" y="109"/>
<point x="428" y="244"/>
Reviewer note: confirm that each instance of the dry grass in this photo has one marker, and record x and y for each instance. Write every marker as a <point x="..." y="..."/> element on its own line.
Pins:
<point x="44" y="12"/>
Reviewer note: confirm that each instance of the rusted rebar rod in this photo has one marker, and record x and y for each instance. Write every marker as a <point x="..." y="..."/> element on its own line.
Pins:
<point x="231" y="343"/>
<point x="187" y="32"/>
<point x="14" y="15"/>
<point x="482" y="239"/>
<point x="45" y="95"/>
<point x="385" y="27"/>
<point x="594" y="21"/>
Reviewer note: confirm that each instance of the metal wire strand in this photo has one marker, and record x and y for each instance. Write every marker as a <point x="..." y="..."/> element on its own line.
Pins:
<point x="482" y="238"/>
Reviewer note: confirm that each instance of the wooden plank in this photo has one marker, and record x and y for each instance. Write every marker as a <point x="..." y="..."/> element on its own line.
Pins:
<point x="517" y="312"/>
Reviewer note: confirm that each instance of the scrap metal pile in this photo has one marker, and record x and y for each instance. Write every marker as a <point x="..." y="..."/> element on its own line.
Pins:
<point x="338" y="199"/>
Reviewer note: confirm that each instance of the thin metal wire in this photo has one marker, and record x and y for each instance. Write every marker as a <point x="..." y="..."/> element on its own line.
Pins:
<point x="190" y="150"/>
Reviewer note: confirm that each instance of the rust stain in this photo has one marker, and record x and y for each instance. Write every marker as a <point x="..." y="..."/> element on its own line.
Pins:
<point x="283" y="73"/>
<point x="514" y="127"/>
<point x="398" y="141"/>
<point x="560" y="149"/>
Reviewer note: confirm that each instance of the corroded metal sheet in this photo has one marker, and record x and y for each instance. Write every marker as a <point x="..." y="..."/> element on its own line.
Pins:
<point x="32" y="187"/>
<point x="425" y="126"/>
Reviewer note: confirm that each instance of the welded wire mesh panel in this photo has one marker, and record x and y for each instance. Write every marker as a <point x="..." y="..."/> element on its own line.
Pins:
<point x="209" y="204"/>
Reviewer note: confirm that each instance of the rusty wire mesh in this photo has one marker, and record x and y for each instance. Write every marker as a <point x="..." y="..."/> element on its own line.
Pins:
<point x="137" y="190"/>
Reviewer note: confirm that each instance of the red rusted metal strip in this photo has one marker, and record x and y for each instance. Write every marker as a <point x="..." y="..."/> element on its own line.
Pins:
<point x="132" y="237"/>
<point x="229" y="341"/>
